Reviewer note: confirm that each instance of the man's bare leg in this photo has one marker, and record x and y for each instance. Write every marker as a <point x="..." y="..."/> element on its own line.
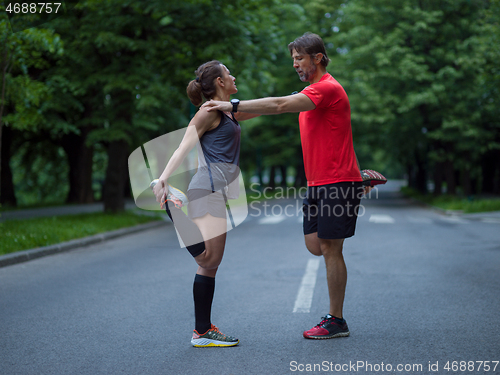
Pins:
<point x="336" y="274"/>
<point x="336" y="271"/>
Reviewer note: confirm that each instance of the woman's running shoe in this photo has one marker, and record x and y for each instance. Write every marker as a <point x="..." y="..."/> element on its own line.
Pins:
<point x="213" y="337"/>
<point x="174" y="195"/>
<point x="328" y="328"/>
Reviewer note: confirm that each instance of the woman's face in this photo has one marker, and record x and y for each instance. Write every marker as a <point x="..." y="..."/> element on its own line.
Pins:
<point x="228" y="79"/>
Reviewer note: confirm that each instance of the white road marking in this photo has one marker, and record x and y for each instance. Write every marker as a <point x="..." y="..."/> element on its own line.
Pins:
<point x="454" y="219"/>
<point x="490" y="220"/>
<point x="306" y="290"/>
<point x="272" y="219"/>
<point x="381" y="219"/>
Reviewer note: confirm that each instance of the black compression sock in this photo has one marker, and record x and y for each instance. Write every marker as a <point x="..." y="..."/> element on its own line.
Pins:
<point x="203" y="294"/>
<point x="188" y="230"/>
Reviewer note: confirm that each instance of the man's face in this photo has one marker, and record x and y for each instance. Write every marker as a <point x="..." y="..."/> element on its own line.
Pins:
<point x="304" y="66"/>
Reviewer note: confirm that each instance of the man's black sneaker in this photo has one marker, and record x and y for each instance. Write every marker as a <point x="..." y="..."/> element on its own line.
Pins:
<point x="328" y="328"/>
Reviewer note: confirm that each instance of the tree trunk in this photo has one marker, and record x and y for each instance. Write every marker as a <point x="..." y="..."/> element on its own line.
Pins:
<point x="283" y="175"/>
<point x="490" y="168"/>
<point x="496" y="173"/>
<point x="5" y="69"/>
<point x="438" y="178"/>
<point x="300" y="176"/>
<point x="7" y="193"/>
<point x="449" y="172"/>
<point x="116" y="177"/>
<point x="421" y="175"/>
<point x="272" y="177"/>
<point x="260" y="169"/>
<point x="411" y="178"/>
<point x="80" y="167"/>
<point x="261" y="177"/>
<point x="466" y="182"/>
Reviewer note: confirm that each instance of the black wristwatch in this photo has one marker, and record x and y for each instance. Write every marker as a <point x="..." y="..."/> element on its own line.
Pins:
<point x="235" y="103"/>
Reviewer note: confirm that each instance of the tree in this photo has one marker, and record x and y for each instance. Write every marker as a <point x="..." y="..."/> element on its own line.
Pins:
<point x="489" y="47"/>
<point x="273" y="142"/>
<point x="126" y="68"/>
<point x="22" y="95"/>
<point x="412" y="72"/>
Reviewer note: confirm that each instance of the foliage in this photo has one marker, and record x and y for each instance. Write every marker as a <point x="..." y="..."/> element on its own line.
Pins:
<point x="20" y="52"/>
<point x="275" y="140"/>
<point x="23" y="55"/>
<point x="455" y="203"/>
<point x="414" y="74"/>
<point x="39" y="172"/>
<point x="422" y="78"/>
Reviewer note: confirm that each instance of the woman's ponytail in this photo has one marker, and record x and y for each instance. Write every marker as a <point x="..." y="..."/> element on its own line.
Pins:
<point x="204" y="83"/>
<point x="194" y="92"/>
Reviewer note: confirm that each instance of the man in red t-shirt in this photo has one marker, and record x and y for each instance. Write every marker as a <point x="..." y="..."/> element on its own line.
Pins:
<point x="330" y="208"/>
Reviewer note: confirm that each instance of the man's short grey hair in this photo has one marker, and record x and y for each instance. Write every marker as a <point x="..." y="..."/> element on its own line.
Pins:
<point x="310" y="44"/>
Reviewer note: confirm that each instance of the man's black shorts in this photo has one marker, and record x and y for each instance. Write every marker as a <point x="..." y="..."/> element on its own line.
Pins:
<point x="332" y="210"/>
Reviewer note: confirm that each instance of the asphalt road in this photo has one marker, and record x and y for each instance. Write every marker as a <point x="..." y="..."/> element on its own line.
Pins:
<point x="423" y="291"/>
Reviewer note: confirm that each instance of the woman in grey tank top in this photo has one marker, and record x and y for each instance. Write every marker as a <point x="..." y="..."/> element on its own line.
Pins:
<point x="217" y="138"/>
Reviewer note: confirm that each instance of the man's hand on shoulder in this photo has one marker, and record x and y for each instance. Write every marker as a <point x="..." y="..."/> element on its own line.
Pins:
<point x="214" y="105"/>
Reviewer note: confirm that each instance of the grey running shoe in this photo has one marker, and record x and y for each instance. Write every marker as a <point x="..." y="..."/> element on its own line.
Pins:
<point x="213" y="337"/>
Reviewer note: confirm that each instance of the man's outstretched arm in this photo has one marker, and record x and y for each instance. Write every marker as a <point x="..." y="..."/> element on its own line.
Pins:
<point x="266" y="106"/>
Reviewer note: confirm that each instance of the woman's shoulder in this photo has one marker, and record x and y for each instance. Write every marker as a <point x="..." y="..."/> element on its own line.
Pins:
<point x="203" y="113"/>
<point x="208" y="119"/>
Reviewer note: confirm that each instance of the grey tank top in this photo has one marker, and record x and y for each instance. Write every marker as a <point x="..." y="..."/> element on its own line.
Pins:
<point x="219" y="158"/>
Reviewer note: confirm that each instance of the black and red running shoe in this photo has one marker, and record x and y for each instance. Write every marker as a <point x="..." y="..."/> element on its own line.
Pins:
<point x="328" y="328"/>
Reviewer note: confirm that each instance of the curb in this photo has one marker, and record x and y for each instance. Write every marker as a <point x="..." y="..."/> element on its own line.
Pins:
<point x="26" y="255"/>
<point x="439" y="210"/>
<point x="492" y="216"/>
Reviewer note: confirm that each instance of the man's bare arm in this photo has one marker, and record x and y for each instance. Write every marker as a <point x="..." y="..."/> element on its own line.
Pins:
<point x="266" y="106"/>
<point x="241" y="116"/>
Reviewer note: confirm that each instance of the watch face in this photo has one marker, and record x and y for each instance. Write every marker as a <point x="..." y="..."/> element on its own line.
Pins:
<point x="235" y="103"/>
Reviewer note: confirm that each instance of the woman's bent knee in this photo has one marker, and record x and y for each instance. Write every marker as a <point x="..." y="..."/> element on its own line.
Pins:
<point x="207" y="262"/>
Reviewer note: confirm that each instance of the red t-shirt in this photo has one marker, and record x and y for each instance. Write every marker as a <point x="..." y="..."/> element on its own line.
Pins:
<point x="326" y="135"/>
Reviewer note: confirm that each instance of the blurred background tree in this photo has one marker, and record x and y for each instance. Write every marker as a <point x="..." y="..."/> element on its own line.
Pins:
<point x="23" y="95"/>
<point x="415" y="72"/>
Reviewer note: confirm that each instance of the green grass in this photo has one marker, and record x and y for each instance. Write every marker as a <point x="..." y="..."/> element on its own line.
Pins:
<point x="451" y="202"/>
<point x="19" y="235"/>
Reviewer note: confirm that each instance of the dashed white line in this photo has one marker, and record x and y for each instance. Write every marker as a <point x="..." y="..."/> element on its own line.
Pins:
<point x="272" y="219"/>
<point x="381" y="219"/>
<point x="419" y="220"/>
<point x="454" y="219"/>
<point x="491" y="220"/>
<point x="306" y="290"/>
